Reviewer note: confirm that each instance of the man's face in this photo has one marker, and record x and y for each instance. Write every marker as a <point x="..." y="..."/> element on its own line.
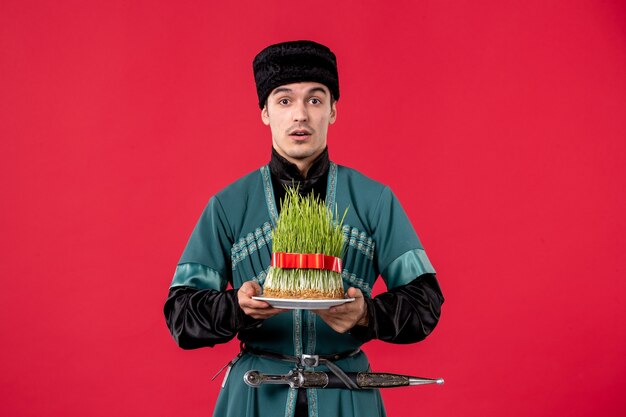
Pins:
<point x="298" y="115"/>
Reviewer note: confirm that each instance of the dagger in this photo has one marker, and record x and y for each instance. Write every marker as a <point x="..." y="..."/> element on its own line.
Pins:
<point x="297" y="378"/>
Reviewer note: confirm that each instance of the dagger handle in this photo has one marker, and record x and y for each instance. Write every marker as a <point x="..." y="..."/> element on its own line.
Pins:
<point x="311" y="379"/>
<point x="254" y="378"/>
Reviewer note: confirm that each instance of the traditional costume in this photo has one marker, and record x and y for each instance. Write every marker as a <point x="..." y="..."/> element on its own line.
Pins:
<point x="232" y="244"/>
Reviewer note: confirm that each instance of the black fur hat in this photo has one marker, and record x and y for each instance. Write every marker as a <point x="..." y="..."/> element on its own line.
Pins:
<point x="292" y="62"/>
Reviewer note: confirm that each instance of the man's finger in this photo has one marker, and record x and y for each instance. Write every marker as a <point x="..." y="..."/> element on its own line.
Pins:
<point x="354" y="293"/>
<point x="250" y="288"/>
<point x="338" y="309"/>
<point x="250" y="303"/>
<point x="262" y="313"/>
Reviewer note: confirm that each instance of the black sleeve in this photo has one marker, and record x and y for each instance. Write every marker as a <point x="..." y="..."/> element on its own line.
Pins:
<point x="405" y="314"/>
<point x="198" y="318"/>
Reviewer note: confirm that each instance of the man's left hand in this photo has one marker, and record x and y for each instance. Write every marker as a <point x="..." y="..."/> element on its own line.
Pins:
<point x="344" y="317"/>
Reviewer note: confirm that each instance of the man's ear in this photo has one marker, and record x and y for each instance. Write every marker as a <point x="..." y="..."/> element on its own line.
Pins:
<point x="265" y="116"/>
<point x="333" y="112"/>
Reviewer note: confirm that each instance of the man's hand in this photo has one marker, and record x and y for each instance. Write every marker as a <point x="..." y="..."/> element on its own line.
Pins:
<point x="254" y="308"/>
<point x="344" y="317"/>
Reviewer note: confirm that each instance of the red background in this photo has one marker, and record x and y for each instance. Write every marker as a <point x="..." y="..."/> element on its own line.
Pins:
<point x="500" y="125"/>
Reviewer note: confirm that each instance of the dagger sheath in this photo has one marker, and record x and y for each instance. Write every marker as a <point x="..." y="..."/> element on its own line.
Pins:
<point x="310" y="379"/>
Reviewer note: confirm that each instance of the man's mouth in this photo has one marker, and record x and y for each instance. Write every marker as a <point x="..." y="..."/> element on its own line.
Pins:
<point x="300" y="133"/>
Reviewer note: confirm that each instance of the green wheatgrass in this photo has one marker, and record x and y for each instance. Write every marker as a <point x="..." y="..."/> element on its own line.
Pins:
<point x="305" y="225"/>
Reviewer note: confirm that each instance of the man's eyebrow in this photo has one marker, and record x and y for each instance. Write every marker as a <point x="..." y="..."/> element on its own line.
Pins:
<point x="289" y="90"/>
<point x="281" y="90"/>
<point x="317" y="89"/>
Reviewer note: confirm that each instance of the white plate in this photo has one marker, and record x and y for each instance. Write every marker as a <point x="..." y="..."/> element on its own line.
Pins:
<point x="303" y="304"/>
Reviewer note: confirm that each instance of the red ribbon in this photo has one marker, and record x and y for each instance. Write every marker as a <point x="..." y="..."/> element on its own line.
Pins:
<point x="306" y="261"/>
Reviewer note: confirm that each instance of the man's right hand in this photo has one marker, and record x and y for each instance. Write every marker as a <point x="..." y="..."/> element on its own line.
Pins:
<point x="255" y="308"/>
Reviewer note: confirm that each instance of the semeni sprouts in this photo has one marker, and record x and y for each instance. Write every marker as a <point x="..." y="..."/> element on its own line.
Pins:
<point x="305" y="226"/>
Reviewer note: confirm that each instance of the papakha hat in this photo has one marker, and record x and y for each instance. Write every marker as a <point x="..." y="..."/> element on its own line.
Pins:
<point x="292" y="62"/>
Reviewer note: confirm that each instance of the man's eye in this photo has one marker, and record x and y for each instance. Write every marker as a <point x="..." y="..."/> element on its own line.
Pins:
<point x="283" y="101"/>
<point x="315" y="101"/>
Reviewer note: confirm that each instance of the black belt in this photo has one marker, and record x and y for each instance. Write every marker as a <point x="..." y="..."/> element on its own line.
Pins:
<point x="306" y="360"/>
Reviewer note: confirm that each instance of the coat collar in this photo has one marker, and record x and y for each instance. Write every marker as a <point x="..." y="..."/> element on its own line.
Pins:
<point x="288" y="173"/>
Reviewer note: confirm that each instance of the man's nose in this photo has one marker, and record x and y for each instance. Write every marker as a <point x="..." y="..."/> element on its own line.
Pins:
<point x="300" y="113"/>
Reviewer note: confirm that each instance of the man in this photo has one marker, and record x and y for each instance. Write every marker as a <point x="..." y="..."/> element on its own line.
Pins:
<point x="298" y="89"/>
